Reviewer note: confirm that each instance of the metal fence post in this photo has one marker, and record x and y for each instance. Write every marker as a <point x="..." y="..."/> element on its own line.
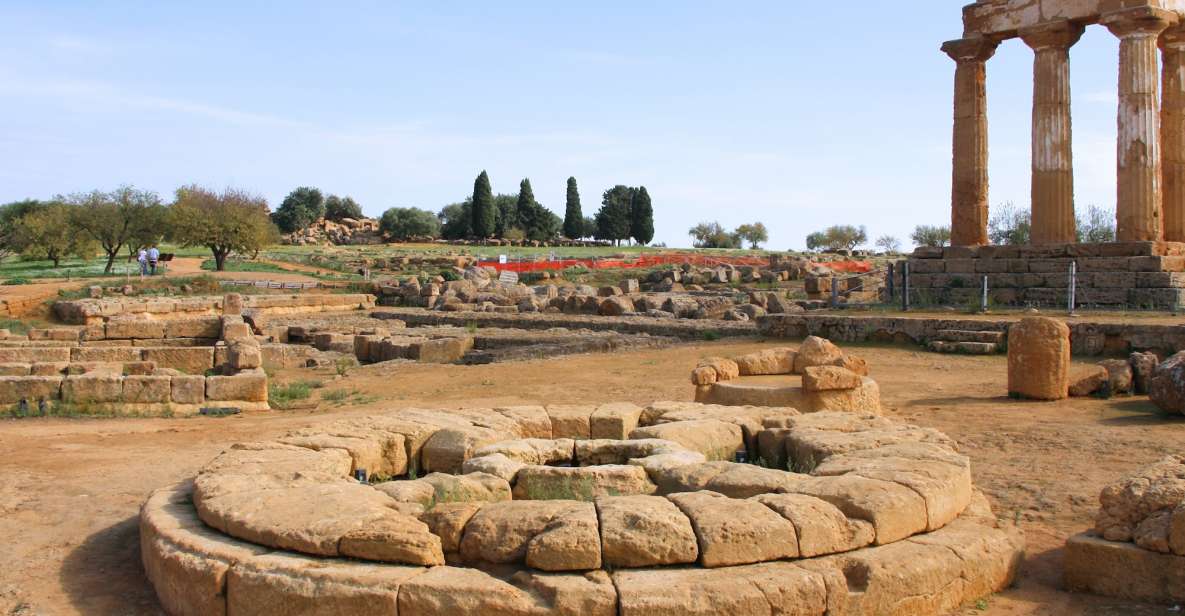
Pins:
<point x="889" y="281"/>
<point x="834" y="292"/>
<point x="983" y="297"/>
<point x="905" y="286"/>
<point x="1073" y="285"/>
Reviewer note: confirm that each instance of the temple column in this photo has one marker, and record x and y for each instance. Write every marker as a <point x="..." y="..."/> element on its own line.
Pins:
<point x="1052" y="192"/>
<point x="1172" y="131"/>
<point x="969" y="181"/>
<point x="1138" y="196"/>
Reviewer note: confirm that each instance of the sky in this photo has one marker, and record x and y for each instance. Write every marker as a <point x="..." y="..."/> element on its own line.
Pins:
<point x="798" y="115"/>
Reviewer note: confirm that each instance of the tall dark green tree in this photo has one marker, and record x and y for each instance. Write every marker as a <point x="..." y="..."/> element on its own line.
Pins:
<point x="484" y="217"/>
<point x="641" y="217"/>
<point x="573" y="218"/>
<point x="613" y="219"/>
<point x="527" y="210"/>
<point x="505" y="214"/>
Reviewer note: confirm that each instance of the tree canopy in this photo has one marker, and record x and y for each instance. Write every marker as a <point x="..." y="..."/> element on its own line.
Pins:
<point x="613" y="219"/>
<point x="641" y="217"/>
<point x="755" y="234"/>
<point x="928" y="235"/>
<point x="573" y="219"/>
<point x="231" y="221"/>
<point x="339" y="208"/>
<point x="401" y="223"/>
<point x="40" y="233"/>
<point x="301" y="208"/>
<point x="482" y="210"/>
<point x="713" y="235"/>
<point x="113" y="219"/>
<point x="837" y="237"/>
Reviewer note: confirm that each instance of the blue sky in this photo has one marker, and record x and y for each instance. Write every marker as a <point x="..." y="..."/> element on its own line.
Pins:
<point x="797" y="114"/>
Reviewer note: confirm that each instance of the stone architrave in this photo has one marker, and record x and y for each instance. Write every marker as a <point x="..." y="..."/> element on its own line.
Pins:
<point x="1052" y="191"/>
<point x="1139" y="198"/>
<point x="969" y="181"/>
<point x="1172" y="131"/>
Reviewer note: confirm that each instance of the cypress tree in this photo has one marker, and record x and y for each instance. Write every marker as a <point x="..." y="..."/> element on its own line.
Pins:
<point x="484" y="219"/>
<point x="613" y="219"/>
<point x="641" y="217"/>
<point x="573" y="218"/>
<point x="528" y="218"/>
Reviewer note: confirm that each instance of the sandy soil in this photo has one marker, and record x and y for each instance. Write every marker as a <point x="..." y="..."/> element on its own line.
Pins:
<point x="69" y="490"/>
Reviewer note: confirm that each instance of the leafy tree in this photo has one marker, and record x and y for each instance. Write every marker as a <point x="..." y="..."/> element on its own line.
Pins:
<point x="338" y="208"/>
<point x="588" y="227"/>
<point x="712" y="235"/>
<point x="573" y="219"/>
<point x="455" y="219"/>
<point x="755" y="234"/>
<point x="41" y="234"/>
<point x="927" y="235"/>
<point x="483" y="212"/>
<point x="231" y="221"/>
<point x="816" y="240"/>
<point x="301" y="208"/>
<point x="402" y="223"/>
<point x="888" y="244"/>
<point x="841" y="237"/>
<point x="506" y="214"/>
<point x="1098" y="226"/>
<point x="548" y="225"/>
<point x="10" y="213"/>
<point x="641" y="217"/>
<point x="1010" y="225"/>
<point x="149" y="229"/>
<point x="112" y="219"/>
<point x="613" y="219"/>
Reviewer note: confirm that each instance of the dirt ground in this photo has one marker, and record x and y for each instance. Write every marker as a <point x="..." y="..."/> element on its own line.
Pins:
<point x="70" y="489"/>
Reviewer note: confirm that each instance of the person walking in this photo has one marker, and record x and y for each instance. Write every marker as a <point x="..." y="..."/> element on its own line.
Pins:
<point x="142" y="258"/>
<point x="153" y="257"/>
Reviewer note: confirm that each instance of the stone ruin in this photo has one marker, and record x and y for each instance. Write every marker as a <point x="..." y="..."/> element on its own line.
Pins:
<point x="824" y="379"/>
<point x="582" y="511"/>
<point x="1137" y="548"/>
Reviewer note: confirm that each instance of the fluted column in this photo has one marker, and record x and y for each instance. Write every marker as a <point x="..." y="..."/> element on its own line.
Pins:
<point x="969" y="181"/>
<point x="1052" y="191"/>
<point x="1172" y="131"/>
<point x="1138" y="196"/>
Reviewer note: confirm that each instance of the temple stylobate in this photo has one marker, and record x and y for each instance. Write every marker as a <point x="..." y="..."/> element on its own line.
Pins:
<point x="1150" y="200"/>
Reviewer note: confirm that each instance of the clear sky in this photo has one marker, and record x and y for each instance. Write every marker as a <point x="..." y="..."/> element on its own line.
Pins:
<point x="797" y="114"/>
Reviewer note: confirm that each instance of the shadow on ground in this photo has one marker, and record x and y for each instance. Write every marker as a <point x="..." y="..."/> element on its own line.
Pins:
<point x="104" y="574"/>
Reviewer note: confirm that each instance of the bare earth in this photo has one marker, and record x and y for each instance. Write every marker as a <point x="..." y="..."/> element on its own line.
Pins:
<point x="70" y="490"/>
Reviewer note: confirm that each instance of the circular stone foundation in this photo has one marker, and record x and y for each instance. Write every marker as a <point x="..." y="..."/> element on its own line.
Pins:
<point x="580" y="510"/>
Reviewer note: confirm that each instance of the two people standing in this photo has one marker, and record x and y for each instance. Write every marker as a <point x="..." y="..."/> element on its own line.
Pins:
<point x="148" y="259"/>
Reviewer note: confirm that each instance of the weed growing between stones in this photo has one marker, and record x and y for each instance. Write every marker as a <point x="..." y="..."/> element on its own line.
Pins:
<point x="289" y="396"/>
<point x="804" y="466"/>
<point x="711" y="335"/>
<point x="342" y="366"/>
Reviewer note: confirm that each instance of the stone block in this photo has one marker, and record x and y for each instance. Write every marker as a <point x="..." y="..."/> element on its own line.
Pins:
<point x="48" y="368"/>
<point x="235" y="331"/>
<point x="93" y="388"/>
<point x="247" y="386"/>
<point x="960" y="266"/>
<point x="192" y="360"/>
<point x="201" y="327"/>
<point x="134" y="328"/>
<point x="927" y="266"/>
<point x="105" y="354"/>
<point x="138" y="368"/>
<point x="232" y="304"/>
<point x="187" y="389"/>
<point x="147" y="389"/>
<point x="571" y="421"/>
<point x="34" y="354"/>
<point x="1104" y="264"/>
<point x="442" y="350"/>
<point x="614" y="421"/>
<point x="1123" y="570"/>
<point x="14" y="388"/>
<point x="15" y="369"/>
<point x="244" y="355"/>
<point x="991" y="266"/>
<point x="1039" y="359"/>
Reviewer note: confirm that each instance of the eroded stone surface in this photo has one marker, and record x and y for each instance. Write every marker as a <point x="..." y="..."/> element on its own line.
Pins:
<point x="736" y="532"/>
<point x="643" y="531"/>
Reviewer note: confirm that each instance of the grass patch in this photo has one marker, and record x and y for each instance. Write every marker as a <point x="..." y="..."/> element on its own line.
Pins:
<point x="336" y="395"/>
<point x="290" y="395"/>
<point x="19" y="327"/>
<point x="80" y="410"/>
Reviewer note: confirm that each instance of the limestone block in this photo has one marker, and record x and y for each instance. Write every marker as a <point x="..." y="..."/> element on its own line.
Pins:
<point x="726" y="369"/>
<point x="1166" y="388"/>
<point x="1039" y="359"/>
<point x="201" y="327"/>
<point x="471" y="487"/>
<point x="469" y="592"/>
<point x="570" y="421"/>
<point x="15" y="388"/>
<point x="293" y="584"/>
<point x="1123" y="570"/>
<point x="532" y="450"/>
<point x="736" y="532"/>
<point x="644" y="531"/>
<point x="47" y="368"/>
<point x="500" y="532"/>
<point x="235" y="330"/>
<point x="365" y="453"/>
<point x="155" y="389"/>
<point x="715" y="439"/>
<point x="581" y="483"/>
<point x="97" y="388"/>
<point x="246" y="386"/>
<point x="1120" y="379"/>
<point x="769" y="361"/>
<point x="442" y="350"/>
<point x="1143" y="366"/>
<point x="34" y="354"/>
<point x="944" y="484"/>
<point x="611" y="451"/>
<point x="766" y="588"/>
<point x="865" y="398"/>
<point x="1087" y="380"/>
<point x="494" y="464"/>
<point x="822" y="528"/>
<point x="829" y="378"/>
<point x="816" y="351"/>
<point x="615" y="306"/>
<point x="614" y="421"/>
<point x="139" y="368"/>
<point x="244" y="355"/>
<point x="446" y="450"/>
<point x="193" y="360"/>
<point x="396" y="538"/>
<point x="569" y="542"/>
<point x="703" y="375"/>
<point x="188" y="389"/>
<point x="134" y="328"/>
<point x="232" y="304"/>
<point x="15" y="369"/>
<point x="736" y="480"/>
<point x="895" y="511"/>
<point x="105" y="354"/>
<point x="414" y="491"/>
<point x="448" y="520"/>
<point x="533" y="421"/>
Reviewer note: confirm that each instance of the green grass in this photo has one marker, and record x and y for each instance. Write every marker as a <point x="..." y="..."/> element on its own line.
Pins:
<point x="335" y="395"/>
<point x="21" y="327"/>
<point x="290" y="395"/>
<point x="73" y="410"/>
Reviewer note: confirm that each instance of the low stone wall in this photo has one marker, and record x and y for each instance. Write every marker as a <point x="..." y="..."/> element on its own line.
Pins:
<point x="1086" y="337"/>
<point x="675" y="328"/>
<point x="92" y="311"/>
<point x="182" y="393"/>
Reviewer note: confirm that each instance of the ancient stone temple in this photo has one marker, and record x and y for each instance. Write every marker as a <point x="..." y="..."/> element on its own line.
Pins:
<point x="1143" y="268"/>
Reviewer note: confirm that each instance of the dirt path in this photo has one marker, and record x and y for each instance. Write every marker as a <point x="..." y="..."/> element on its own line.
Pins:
<point x="70" y="490"/>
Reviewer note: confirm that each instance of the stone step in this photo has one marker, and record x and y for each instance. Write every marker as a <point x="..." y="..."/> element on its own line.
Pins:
<point x="966" y="348"/>
<point x="962" y="335"/>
